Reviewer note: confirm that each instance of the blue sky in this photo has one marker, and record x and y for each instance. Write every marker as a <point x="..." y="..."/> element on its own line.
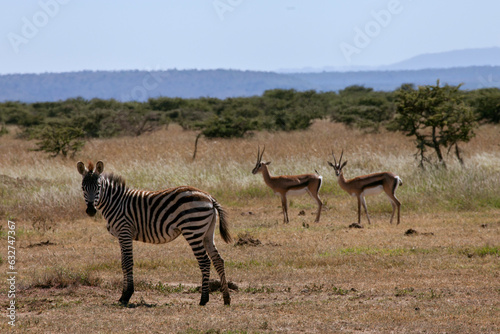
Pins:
<point x="71" y="35"/>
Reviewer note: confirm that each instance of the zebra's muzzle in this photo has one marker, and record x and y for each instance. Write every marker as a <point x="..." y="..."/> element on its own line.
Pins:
<point x="91" y="211"/>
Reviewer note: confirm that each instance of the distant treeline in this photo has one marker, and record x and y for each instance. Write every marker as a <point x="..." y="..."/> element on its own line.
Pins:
<point x="275" y="110"/>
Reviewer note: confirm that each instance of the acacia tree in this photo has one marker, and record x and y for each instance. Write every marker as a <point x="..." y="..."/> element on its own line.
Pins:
<point x="60" y="139"/>
<point x="437" y="117"/>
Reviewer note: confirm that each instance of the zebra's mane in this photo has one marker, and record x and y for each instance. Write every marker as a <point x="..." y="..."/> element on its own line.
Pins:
<point x="116" y="179"/>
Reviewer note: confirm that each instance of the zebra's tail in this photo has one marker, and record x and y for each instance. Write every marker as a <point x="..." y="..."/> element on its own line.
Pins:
<point x="223" y="223"/>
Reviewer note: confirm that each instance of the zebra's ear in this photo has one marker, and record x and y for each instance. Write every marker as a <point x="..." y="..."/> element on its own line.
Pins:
<point x="81" y="168"/>
<point x="99" y="167"/>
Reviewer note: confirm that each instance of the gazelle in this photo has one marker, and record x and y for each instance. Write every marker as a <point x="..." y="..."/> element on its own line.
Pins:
<point x="365" y="185"/>
<point x="290" y="185"/>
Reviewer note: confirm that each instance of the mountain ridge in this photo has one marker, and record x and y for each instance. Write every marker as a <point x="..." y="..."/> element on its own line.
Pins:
<point x="141" y="85"/>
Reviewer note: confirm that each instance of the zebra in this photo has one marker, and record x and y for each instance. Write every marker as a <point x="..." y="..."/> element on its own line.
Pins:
<point x="157" y="217"/>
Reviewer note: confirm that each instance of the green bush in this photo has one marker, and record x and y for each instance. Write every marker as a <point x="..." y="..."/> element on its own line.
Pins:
<point x="59" y="139"/>
<point x="486" y="103"/>
<point x="363" y="108"/>
<point x="227" y="127"/>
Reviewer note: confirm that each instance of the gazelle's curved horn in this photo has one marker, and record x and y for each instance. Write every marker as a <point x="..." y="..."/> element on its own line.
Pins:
<point x="341" y="154"/>
<point x="262" y="153"/>
<point x="334" y="160"/>
<point x="258" y="154"/>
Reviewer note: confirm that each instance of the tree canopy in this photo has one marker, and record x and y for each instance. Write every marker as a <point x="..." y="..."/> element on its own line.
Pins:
<point x="437" y="117"/>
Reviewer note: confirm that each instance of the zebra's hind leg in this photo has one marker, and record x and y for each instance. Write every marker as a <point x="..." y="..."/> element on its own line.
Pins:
<point x="204" y="262"/>
<point x="219" y="266"/>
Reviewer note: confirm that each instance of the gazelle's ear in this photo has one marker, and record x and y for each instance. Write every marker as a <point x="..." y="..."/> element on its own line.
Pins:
<point x="332" y="165"/>
<point x="267" y="163"/>
<point x="81" y="168"/>
<point x="345" y="163"/>
<point x="99" y="167"/>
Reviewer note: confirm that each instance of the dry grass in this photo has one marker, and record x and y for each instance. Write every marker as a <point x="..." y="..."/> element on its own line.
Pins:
<point x="302" y="277"/>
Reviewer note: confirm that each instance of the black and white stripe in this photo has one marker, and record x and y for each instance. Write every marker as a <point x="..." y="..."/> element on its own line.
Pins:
<point x="157" y="217"/>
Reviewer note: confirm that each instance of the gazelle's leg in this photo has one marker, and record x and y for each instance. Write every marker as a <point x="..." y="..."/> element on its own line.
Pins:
<point x="393" y="209"/>
<point x="320" y="206"/>
<point x="315" y="196"/>
<point x="364" y="206"/>
<point x="395" y="203"/>
<point x="399" y="209"/>
<point x="359" y="210"/>
<point x="314" y="192"/>
<point x="284" y="205"/>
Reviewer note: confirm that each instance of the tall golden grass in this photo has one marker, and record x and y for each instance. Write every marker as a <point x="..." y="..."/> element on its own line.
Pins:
<point x="35" y="185"/>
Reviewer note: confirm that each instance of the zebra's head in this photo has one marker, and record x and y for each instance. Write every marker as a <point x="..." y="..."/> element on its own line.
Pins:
<point x="91" y="184"/>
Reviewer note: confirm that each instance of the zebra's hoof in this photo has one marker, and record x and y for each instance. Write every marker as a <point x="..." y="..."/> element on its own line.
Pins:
<point x="204" y="300"/>
<point x="123" y="302"/>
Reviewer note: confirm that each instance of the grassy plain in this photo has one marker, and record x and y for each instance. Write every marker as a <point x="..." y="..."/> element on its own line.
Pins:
<point x="302" y="277"/>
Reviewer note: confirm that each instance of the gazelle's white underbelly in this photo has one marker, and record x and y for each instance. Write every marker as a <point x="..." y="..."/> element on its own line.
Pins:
<point x="294" y="192"/>
<point x="372" y="191"/>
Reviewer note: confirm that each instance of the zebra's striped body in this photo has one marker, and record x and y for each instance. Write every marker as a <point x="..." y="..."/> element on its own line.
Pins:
<point x="157" y="217"/>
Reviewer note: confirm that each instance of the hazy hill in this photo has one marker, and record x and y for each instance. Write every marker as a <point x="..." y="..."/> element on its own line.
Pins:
<point x="456" y="58"/>
<point x="141" y="85"/>
<point x="448" y="59"/>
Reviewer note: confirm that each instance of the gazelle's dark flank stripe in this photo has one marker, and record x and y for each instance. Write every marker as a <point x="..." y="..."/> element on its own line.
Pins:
<point x="374" y="184"/>
<point x="157" y="217"/>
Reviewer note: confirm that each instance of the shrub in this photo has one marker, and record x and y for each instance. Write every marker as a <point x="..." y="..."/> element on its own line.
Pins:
<point x="60" y="139"/>
<point x="486" y="101"/>
<point x="227" y="127"/>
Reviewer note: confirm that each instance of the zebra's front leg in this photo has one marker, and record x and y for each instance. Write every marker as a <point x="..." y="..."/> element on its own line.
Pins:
<point x="127" y="268"/>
